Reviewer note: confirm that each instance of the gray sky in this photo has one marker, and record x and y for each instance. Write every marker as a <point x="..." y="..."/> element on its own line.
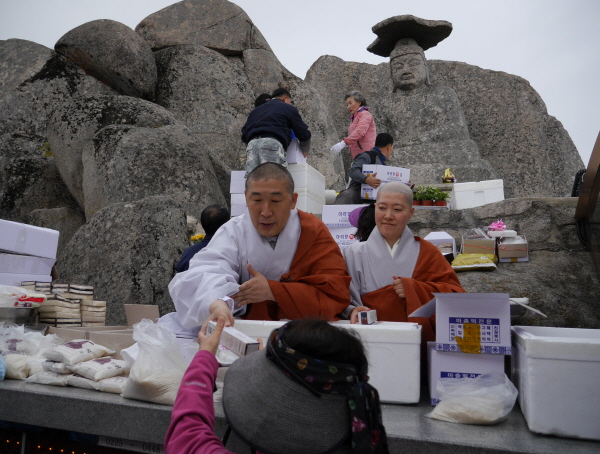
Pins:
<point x="551" y="43"/>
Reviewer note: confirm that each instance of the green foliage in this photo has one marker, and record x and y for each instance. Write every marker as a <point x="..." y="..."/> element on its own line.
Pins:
<point x="46" y="150"/>
<point x="424" y="192"/>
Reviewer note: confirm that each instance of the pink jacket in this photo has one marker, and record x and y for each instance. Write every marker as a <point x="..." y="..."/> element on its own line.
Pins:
<point x="361" y="133"/>
<point x="193" y="418"/>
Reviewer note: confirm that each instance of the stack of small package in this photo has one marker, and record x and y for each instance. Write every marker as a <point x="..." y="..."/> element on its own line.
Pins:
<point x="478" y="252"/>
<point x="511" y="247"/>
<point x="27" y="253"/>
<point x="339" y="219"/>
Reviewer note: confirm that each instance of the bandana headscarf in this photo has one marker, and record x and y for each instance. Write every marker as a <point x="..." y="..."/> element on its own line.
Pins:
<point x="326" y="377"/>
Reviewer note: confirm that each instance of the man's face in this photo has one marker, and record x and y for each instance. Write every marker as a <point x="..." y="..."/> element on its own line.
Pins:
<point x="269" y="204"/>
<point x="408" y="71"/>
<point x="392" y="213"/>
<point x="387" y="150"/>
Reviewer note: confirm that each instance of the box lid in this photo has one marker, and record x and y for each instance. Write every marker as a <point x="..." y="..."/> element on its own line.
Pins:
<point x="478" y="185"/>
<point x="576" y="344"/>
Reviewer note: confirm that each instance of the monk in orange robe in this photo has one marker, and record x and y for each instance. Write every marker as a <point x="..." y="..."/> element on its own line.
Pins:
<point x="393" y="271"/>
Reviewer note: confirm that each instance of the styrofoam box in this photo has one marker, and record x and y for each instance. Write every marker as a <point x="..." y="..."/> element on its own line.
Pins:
<point x="238" y="182"/>
<point x="477" y="193"/>
<point x="557" y="372"/>
<point x="441" y="237"/>
<point x="458" y="365"/>
<point x="309" y="201"/>
<point x="15" y="280"/>
<point x="238" y="209"/>
<point x="338" y="215"/>
<point x="293" y="154"/>
<point x="456" y="313"/>
<point x="25" y="264"/>
<point x="28" y="239"/>
<point x="307" y="177"/>
<point x="393" y="350"/>
<point x="343" y="236"/>
<point x="238" y="199"/>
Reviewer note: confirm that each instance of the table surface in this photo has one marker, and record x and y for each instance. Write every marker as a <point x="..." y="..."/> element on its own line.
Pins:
<point x="94" y="412"/>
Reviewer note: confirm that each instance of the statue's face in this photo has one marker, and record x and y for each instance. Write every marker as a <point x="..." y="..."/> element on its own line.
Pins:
<point x="408" y="71"/>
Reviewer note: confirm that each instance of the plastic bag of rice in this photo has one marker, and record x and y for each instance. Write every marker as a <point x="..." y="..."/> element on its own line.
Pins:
<point x="76" y="351"/>
<point x="97" y="369"/>
<point x="57" y="368"/>
<point x="78" y="381"/>
<point x="112" y="385"/>
<point x="17" y="366"/>
<point x="48" y="378"/>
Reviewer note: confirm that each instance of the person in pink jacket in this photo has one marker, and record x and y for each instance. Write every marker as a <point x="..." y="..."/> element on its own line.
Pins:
<point x="307" y="392"/>
<point x="362" y="130"/>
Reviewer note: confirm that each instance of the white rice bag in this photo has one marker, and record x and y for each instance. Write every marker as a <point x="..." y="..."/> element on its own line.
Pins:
<point x="76" y="351"/>
<point x="57" y="368"/>
<point x="35" y="366"/>
<point x="17" y="366"/>
<point x="48" y="378"/>
<point x="112" y="385"/>
<point x="78" y="381"/>
<point x="100" y="368"/>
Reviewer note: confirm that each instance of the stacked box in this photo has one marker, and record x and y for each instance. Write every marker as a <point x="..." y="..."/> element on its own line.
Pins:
<point x="236" y="190"/>
<point x="476" y="193"/>
<point x="337" y="220"/>
<point x="511" y="250"/>
<point x="386" y="174"/>
<point x="444" y="242"/>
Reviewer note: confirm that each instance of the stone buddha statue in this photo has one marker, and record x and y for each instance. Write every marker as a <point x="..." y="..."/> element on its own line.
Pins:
<point x="427" y="121"/>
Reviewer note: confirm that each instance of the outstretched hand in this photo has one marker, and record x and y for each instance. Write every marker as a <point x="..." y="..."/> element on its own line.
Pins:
<point x="211" y="343"/>
<point x="255" y="290"/>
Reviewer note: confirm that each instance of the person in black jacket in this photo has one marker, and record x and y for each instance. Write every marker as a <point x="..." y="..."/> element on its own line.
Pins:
<point x="211" y="218"/>
<point x="268" y="131"/>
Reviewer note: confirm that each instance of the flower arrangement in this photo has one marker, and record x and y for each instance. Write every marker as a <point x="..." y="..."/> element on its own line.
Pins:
<point x="197" y="238"/>
<point x="497" y="226"/>
<point x="448" y="176"/>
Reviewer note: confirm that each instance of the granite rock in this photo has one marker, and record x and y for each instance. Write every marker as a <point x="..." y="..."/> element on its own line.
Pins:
<point x="114" y="54"/>
<point x="128" y="252"/>
<point x="217" y="24"/>
<point x="126" y="163"/>
<point x="73" y="125"/>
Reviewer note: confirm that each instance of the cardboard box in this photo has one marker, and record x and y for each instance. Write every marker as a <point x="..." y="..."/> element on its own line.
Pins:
<point x="483" y="246"/>
<point x="556" y="371"/>
<point x="16" y="279"/>
<point x="343" y="236"/>
<point x="338" y="215"/>
<point x="513" y="259"/>
<point x="238" y="182"/>
<point x="479" y="322"/>
<point x="441" y="238"/>
<point x="236" y="341"/>
<point x="308" y="178"/>
<point x="293" y="154"/>
<point x="367" y="317"/>
<point x="513" y="250"/>
<point x="385" y="174"/>
<point x="136" y="312"/>
<point x="28" y="239"/>
<point x="458" y="365"/>
<point x="474" y="194"/>
<point x="25" y="264"/>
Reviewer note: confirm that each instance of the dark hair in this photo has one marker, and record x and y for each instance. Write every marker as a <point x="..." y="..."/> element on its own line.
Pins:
<point x="280" y="92"/>
<point x="321" y="340"/>
<point x="366" y="222"/>
<point x="271" y="171"/>
<point x="262" y="98"/>
<point x="383" y="139"/>
<point x="213" y="217"/>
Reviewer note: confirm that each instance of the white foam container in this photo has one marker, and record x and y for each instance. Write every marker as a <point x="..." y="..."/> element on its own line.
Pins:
<point x="14" y="280"/>
<point x="476" y="193"/>
<point x="28" y="239"/>
<point x="557" y="373"/>
<point x="310" y="201"/>
<point x="393" y="350"/>
<point x="307" y="177"/>
<point x="237" y="184"/>
<point x="25" y="264"/>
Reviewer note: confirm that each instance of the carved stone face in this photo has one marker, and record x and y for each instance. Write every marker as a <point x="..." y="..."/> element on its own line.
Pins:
<point x="408" y="71"/>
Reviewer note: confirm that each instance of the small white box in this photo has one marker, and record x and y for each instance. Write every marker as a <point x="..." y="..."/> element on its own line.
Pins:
<point x="238" y="209"/>
<point x="15" y="280"/>
<point x="238" y="182"/>
<point x="458" y="365"/>
<point x="385" y="174"/>
<point x="25" y="264"/>
<point x="367" y="317"/>
<point x="239" y="343"/>
<point x="481" y="320"/>
<point x="338" y="215"/>
<point x="440" y="238"/>
<point x="309" y="201"/>
<point x="477" y="193"/>
<point x="307" y="177"/>
<point x="238" y="199"/>
<point x="293" y="154"/>
<point x="343" y="236"/>
<point x="28" y="239"/>
<point x="557" y="371"/>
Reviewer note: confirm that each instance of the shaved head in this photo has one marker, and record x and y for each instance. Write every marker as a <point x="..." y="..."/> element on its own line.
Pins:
<point x="397" y="188"/>
<point x="271" y="171"/>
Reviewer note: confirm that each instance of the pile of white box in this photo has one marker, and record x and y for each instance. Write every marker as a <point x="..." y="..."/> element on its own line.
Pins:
<point x="337" y="220"/>
<point x="476" y="193"/>
<point x="27" y="253"/>
<point x="308" y="182"/>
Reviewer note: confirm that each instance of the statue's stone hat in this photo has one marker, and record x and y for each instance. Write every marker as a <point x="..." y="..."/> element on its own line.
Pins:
<point x="425" y="33"/>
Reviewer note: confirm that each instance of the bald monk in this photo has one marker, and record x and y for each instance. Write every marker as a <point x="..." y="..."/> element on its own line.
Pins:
<point x="393" y="271"/>
<point x="270" y="263"/>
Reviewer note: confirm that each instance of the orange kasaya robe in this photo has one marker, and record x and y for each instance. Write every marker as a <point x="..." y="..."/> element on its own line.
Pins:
<point x="317" y="284"/>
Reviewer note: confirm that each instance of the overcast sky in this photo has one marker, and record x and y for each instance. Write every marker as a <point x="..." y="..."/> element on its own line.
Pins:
<point x="551" y="43"/>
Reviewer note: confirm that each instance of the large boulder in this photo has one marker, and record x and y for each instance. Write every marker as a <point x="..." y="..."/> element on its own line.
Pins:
<point x="217" y="24"/>
<point x="114" y="54"/>
<point x="34" y="81"/>
<point x="527" y="148"/>
<point x="73" y="125"/>
<point x="127" y="163"/>
<point x="128" y="252"/>
<point x="560" y="279"/>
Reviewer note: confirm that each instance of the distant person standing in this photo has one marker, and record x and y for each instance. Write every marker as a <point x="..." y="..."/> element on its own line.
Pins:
<point x="261" y="99"/>
<point x="268" y="131"/>
<point x="362" y="130"/>
<point x="211" y="218"/>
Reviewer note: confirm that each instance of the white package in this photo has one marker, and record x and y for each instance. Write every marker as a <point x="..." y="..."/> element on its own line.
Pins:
<point x="48" y="378"/>
<point x="78" y="381"/>
<point x="112" y="385"/>
<point x="17" y="366"/>
<point x="100" y="368"/>
<point x="57" y="368"/>
<point x="76" y="351"/>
